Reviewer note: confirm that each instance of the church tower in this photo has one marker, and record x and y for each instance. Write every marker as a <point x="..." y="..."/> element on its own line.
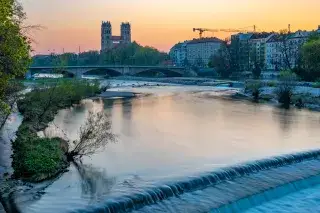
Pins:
<point x="106" y="36"/>
<point x="126" y="32"/>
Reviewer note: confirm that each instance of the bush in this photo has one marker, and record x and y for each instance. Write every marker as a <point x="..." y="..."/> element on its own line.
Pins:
<point x="36" y="158"/>
<point x="271" y="83"/>
<point x="40" y="105"/>
<point x="316" y="84"/>
<point x="255" y="88"/>
<point x="285" y="88"/>
<point x="256" y="71"/>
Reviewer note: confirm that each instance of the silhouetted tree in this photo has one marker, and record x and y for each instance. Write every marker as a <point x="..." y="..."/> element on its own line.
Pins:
<point x="221" y="62"/>
<point x="95" y="134"/>
<point x="286" y="87"/>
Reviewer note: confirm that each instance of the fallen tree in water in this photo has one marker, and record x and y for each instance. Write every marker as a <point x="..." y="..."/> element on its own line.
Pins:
<point x="95" y="134"/>
<point x="34" y="158"/>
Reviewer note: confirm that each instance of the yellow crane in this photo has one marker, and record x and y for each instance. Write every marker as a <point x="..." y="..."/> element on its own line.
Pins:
<point x="202" y="30"/>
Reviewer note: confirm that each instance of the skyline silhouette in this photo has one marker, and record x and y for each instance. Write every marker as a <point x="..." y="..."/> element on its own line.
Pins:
<point x="160" y="24"/>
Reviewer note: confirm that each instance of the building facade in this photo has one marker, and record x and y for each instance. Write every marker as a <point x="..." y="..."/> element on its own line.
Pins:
<point x="257" y="52"/>
<point x="196" y="52"/>
<point x="283" y="51"/>
<point x="178" y="54"/>
<point x="200" y="51"/>
<point x="108" y="41"/>
<point x="275" y="59"/>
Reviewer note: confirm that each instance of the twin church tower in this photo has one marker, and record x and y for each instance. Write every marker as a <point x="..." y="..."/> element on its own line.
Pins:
<point x="108" y="41"/>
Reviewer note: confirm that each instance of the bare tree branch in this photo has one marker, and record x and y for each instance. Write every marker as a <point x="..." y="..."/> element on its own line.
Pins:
<point x="95" y="134"/>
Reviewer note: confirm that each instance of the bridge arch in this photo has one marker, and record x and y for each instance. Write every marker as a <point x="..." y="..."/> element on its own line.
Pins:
<point x="103" y="72"/>
<point x="159" y="72"/>
<point x="66" y="73"/>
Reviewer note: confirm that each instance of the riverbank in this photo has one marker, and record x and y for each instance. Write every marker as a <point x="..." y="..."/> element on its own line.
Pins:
<point x="34" y="158"/>
<point x="305" y="94"/>
<point x="184" y="81"/>
<point x="302" y="97"/>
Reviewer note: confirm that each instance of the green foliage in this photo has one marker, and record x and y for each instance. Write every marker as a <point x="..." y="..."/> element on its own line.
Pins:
<point x="286" y="87"/>
<point x="221" y="62"/>
<point x="14" y="46"/>
<point x="316" y="84"/>
<point x="35" y="158"/>
<point x="314" y="37"/>
<point x="129" y="54"/>
<point x="40" y="105"/>
<point x="256" y="71"/>
<point x="311" y="59"/>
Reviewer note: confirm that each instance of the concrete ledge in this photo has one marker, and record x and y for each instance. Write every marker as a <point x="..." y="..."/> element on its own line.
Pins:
<point x="113" y="94"/>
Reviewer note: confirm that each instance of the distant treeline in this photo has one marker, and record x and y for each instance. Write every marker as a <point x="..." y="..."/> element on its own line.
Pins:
<point x="130" y="54"/>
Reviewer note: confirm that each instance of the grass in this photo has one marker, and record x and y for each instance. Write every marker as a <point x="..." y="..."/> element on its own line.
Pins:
<point x="36" y="158"/>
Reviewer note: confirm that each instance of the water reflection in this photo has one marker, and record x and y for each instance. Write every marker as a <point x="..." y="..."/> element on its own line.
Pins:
<point x="285" y="117"/>
<point x="94" y="183"/>
<point x="123" y="109"/>
<point x="171" y="135"/>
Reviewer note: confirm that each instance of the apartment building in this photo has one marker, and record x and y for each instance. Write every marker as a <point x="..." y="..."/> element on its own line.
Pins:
<point x="195" y="52"/>
<point x="257" y="52"/>
<point x="282" y="51"/>
<point x="200" y="51"/>
<point x="178" y="54"/>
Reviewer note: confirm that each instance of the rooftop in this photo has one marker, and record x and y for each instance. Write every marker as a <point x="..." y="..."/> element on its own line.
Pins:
<point x="261" y="35"/>
<point x="276" y="38"/>
<point x="206" y="40"/>
<point x="245" y="36"/>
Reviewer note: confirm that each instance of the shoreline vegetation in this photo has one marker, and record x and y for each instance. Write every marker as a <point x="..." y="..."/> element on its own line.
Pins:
<point x="36" y="159"/>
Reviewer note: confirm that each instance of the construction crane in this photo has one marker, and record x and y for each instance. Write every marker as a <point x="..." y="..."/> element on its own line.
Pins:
<point x="202" y="30"/>
<point x="240" y="30"/>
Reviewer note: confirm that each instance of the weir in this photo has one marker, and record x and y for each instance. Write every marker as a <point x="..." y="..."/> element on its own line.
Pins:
<point x="222" y="187"/>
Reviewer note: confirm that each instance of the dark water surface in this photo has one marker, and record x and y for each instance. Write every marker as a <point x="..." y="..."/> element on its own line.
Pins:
<point x="176" y="134"/>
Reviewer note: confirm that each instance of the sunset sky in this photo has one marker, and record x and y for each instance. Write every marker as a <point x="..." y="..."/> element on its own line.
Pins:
<point x="69" y="24"/>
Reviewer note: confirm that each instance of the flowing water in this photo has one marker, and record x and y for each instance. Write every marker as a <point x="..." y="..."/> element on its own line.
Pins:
<point x="186" y="149"/>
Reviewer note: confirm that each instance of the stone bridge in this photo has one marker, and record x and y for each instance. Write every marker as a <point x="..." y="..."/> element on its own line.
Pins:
<point x="112" y="70"/>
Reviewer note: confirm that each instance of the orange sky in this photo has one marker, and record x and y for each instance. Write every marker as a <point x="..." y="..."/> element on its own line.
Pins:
<point x="159" y="23"/>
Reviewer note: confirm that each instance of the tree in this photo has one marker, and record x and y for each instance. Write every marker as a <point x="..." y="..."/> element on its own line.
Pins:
<point x="311" y="60"/>
<point x="95" y="134"/>
<point x="123" y="54"/>
<point x="255" y="88"/>
<point x="290" y="50"/>
<point x="11" y="95"/>
<point x="221" y="61"/>
<point x="14" y="47"/>
<point x="256" y="67"/>
<point x="285" y="88"/>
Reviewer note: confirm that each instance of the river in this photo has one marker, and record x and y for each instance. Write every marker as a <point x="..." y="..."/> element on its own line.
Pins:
<point x="175" y="133"/>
